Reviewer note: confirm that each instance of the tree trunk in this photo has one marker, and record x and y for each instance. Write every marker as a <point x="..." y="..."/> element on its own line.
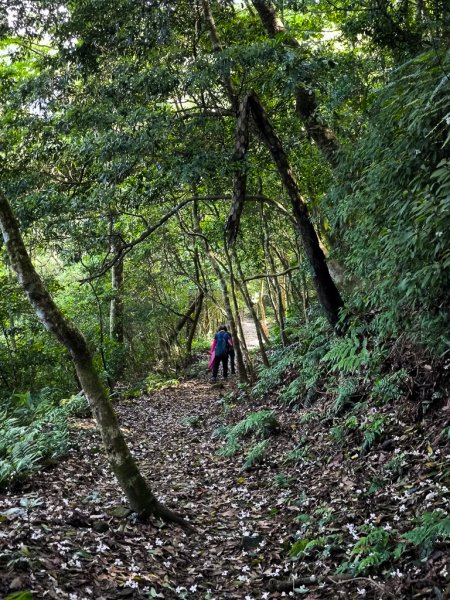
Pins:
<point x="305" y="297"/>
<point x="240" y="331"/>
<point x="306" y="100"/>
<point x="183" y="320"/>
<point x="262" y="313"/>
<point x="198" y="311"/>
<point x="327" y="291"/>
<point x="3" y="375"/>
<point x="279" y="312"/>
<point x="102" y="338"/>
<point x="323" y="136"/>
<point x="251" y="308"/>
<point x="116" y="311"/>
<point x="12" y="323"/>
<point x="240" y="173"/>
<point x="288" y="286"/>
<point x="137" y="491"/>
<point x="269" y="18"/>
<point x="116" y="315"/>
<point x="217" y="47"/>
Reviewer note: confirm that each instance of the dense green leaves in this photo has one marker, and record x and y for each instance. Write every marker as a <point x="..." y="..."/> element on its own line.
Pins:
<point x="34" y="430"/>
<point x="114" y="112"/>
<point x="392" y="214"/>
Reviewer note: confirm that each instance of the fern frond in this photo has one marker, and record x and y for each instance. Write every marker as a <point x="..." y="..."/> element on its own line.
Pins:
<point x="256" y="454"/>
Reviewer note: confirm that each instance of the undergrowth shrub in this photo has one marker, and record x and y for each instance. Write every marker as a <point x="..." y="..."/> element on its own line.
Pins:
<point x="391" y="211"/>
<point x="371" y="550"/>
<point x="347" y="354"/>
<point x="379" y="546"/>
<point x="256" y="454"/>
<point x="372" y="429"/>
<point x="192" y="421"/>
<point x="346" y="393"/>
<point x="389" y="387"/>
<point x="34" y="430"/>
<point x="396" y="466"/>
<point x="300" y="453"/>
<point x="156" y="381"/>
<point x="260" y="424"/>
<point x="300" y="360"/>
<point x="305" y="545"/>
<point x="434" y="526"/>
<point x="281" y="360"/>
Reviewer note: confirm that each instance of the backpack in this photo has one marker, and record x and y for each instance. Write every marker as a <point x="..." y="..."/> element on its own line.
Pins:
<point x="221" y="348"/>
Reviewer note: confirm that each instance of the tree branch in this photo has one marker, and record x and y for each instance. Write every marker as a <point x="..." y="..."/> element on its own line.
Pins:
<point x="126" y="248"/>
<point x="269" y="275"/>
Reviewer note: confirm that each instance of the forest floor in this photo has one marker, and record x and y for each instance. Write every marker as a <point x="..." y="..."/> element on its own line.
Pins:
<point x="68" y="534"/>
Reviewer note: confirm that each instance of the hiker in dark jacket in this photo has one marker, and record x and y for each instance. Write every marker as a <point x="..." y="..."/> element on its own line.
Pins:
<point x="231" y="352"/>
<point x="219" y="352"/>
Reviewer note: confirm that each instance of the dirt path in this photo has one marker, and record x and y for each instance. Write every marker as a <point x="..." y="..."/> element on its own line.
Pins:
<point x="248" y="326"/>
<point x="76" y="546"/>
<point x="66" y="534"/>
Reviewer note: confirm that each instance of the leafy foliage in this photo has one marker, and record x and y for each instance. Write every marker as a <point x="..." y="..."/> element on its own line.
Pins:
<point x="300" y="453"/>
<point x="371" y="550"/>
<point x="389" y="388"/>
<point x="345" y="394"/>
<point x="261" y="424"/>
<point x="347" y="355"/>
<point x="302" y="359"/>
<point x="156" y="381"/>
<point x="281" y="360"/>
<point x="372" y="429"/>
<point x="19" y="596"/>
<point x="393" y="217"/>
<point x="256" y="454"/>
<point x="192" y="421"/>
<point x="33" y="431"/>
<point x="434" y="526"/>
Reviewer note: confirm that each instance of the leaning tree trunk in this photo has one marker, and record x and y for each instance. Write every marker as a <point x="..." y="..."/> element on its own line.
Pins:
<point x="306" y="99"/>
<point x="184" y="319"/>
<point x="327" y="292"/>
<point x="136" y="489"/>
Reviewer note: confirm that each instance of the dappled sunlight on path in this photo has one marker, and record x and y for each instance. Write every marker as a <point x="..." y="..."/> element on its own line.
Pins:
<point x="248" y="326"/>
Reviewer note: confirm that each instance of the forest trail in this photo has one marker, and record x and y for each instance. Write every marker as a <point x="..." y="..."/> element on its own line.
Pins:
<point x="249" y="329"/>
<point x="68" y="534"/>
<point x="79" y="544"/>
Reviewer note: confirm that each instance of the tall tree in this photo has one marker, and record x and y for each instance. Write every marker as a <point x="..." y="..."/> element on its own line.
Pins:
<point x="327" y="291"/>
<point x="141" y="498"/>
<point x="306" y="96"/>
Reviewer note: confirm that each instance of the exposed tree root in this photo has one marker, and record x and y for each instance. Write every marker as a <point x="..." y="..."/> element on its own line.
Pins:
<point x="169" y="516"/>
